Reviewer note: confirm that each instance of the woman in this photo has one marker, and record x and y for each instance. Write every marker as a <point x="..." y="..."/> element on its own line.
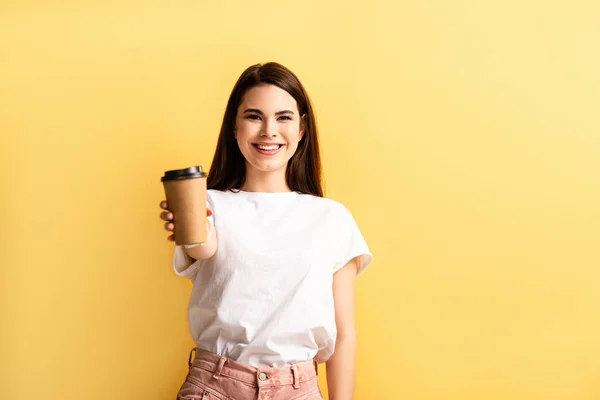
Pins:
<point x="273" y="290"/>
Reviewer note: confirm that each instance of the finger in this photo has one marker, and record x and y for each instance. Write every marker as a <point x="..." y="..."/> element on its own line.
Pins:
<point x="163" y="204"/>
<point x="166" y="216"/>
<point x="209" y="212"/>
<point x="171" y="238"/>
<point x="169" y="226"/>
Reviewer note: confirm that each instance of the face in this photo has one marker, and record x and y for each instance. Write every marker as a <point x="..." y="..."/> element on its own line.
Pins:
<point x="268" y="128"/>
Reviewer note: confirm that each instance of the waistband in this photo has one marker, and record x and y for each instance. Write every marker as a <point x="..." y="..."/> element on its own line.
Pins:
<point x="294" y="374"/>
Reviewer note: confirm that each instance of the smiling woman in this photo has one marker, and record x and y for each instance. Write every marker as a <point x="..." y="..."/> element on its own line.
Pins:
<point x="268" y="106"/>
<point x="273" y="289"/>
<point x="268" y="138"/>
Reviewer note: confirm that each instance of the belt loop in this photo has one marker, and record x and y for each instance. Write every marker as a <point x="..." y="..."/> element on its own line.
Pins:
<point x="217" y="374"/>
<point x="296" y="377"/>
<point x="191" y="359"/>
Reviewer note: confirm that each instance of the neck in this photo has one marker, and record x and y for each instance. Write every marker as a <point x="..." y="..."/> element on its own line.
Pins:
<point x="269" y="182"/>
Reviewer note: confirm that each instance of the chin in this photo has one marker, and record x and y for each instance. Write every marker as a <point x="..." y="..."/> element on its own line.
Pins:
<point x="269" y="168"/>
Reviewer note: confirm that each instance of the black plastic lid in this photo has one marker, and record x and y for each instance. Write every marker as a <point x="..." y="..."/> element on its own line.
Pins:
<point x="186" y="173"/>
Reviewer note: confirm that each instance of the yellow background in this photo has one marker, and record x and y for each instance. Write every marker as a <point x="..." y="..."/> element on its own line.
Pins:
<point x="464" y="136"/>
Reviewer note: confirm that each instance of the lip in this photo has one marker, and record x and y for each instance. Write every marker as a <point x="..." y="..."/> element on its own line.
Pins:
<point x="267" y="152"/>
<point x="267" y="144"/>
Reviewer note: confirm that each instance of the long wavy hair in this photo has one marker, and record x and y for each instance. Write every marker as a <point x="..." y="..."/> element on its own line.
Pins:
<point x="303" y="173"/>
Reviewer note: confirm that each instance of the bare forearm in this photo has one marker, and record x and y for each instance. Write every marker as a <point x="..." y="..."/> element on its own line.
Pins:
<point x="341" y="370"/>
<point x="205" y="250"/>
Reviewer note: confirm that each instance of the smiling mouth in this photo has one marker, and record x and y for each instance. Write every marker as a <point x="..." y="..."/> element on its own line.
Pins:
<point x="267" y="149"/>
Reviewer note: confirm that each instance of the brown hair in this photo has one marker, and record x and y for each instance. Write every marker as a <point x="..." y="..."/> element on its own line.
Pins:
<point x="303" y="173"/>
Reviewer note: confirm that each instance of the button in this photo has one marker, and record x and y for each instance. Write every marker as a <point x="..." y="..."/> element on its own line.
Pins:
<point x="262" y="376"/>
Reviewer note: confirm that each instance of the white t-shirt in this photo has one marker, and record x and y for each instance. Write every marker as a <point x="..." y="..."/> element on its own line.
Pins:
<point x="266" y="298"/>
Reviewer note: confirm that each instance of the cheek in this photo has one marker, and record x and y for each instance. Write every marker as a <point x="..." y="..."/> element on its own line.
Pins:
<point x="244" y="131"/>
<point x="291" y="132"/>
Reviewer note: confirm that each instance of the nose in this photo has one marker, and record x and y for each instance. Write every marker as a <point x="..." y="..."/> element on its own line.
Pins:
<point x="270" y="128"/>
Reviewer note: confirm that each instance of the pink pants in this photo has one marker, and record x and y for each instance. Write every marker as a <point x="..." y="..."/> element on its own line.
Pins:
<point x="213" y="377"/>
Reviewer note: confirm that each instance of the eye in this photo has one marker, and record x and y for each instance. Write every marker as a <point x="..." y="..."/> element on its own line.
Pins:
<point x="286" y="117"/>
<point x="253" y="116"/>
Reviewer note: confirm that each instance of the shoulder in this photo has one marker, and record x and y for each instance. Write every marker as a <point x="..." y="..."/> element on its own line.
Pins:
<point x="320" y="201"/>
<point x="216" y="198"/>
<point x="332" y="207"/>
<point x="216" y="195"/>
<point x="215" y="192"/>
<point x="212" y="193"/>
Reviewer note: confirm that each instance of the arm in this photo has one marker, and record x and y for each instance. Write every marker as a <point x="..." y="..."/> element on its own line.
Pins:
<point x="341" y="366"/>
<point x="206" y="250"/>
<point x="203" y="251"/>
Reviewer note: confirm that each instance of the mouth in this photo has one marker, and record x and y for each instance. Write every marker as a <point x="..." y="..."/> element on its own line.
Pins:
<point x="267" y="149"/>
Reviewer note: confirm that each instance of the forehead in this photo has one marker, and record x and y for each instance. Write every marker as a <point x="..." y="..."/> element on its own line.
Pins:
<point x="268" y="98"/>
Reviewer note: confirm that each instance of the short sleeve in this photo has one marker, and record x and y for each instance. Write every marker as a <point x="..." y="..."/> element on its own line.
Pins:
<point x="183" y="264"/>
<point x="351" y="243"/>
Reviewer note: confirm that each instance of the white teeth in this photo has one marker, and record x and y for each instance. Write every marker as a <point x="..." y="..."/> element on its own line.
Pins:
<point x="268" y="147"/>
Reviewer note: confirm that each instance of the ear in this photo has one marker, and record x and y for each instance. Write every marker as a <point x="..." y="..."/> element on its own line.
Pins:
<point x="302" y="125"/>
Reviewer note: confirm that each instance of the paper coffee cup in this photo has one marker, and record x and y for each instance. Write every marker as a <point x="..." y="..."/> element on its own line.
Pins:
<point x="185" y="190"/>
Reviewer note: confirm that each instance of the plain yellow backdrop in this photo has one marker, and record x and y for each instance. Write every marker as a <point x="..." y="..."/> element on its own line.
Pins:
<point x="464" y="136"/>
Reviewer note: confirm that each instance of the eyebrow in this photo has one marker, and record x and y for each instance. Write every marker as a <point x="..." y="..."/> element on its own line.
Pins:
<point x="257" y="111"/>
